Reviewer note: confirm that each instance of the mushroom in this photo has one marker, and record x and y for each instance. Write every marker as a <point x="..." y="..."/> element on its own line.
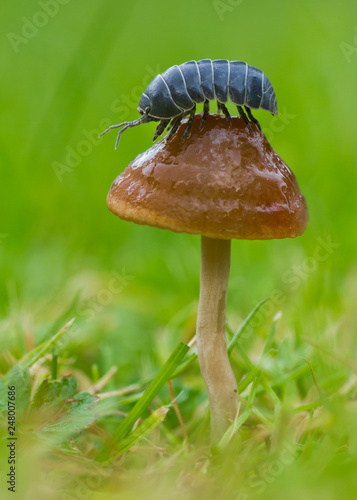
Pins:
<point x="222" y="183"/>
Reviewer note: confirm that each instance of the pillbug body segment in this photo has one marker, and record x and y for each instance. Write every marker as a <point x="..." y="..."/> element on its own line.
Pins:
<point x="174" y="94"/>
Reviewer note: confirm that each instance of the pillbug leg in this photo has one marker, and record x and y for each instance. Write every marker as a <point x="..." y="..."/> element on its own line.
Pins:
<point x="160" y="128"/>
<point x="251" y="118"/>
<point x="189" y="123"/>
<point x="205" y="113"/>
<point x="126" y="125"/>
<point x="245" y="118"/>
<point x="174" y="125"/>
<point x="226" y="113"/>
<point x="119" y="134"/>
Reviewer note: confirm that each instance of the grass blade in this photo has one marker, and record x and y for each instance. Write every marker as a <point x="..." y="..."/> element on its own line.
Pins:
<point x="31" y="357"/>
<point x="270" y="339"/>
<point x="231" y="431"/>
<point x="244" y="325"/>
<point x="140" y="432"/>
<point x="165" y="374"/>
<point x="185" y="364"/>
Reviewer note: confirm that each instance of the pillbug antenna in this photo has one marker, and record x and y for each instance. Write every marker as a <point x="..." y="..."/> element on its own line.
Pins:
<point x="126" y="125"/>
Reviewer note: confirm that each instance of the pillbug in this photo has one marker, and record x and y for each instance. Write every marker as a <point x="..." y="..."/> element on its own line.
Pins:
<point x="174" y="94"/>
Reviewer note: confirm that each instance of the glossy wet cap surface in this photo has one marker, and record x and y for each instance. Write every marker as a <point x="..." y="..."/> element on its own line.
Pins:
<point x="221" y="182"/>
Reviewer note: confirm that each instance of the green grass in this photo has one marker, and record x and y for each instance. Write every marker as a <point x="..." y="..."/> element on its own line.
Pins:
<point x="61" y="249"/>
<point x="296" y="424"/>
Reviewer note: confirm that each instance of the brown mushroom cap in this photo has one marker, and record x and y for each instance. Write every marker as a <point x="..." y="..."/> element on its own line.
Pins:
<point x="221" y="182"/>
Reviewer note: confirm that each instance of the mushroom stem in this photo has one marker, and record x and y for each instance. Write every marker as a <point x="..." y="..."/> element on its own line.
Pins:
<point x="211" y="335"/>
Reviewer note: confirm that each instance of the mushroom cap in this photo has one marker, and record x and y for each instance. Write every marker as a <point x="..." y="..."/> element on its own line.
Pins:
<point x="222" y="182"/>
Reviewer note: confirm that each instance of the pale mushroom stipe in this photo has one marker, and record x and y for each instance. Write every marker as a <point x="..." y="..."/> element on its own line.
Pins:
<point x="222" y="183"/>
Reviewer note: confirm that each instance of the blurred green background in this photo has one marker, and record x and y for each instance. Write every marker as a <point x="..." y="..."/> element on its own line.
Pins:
<point x="68" y="73"/>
